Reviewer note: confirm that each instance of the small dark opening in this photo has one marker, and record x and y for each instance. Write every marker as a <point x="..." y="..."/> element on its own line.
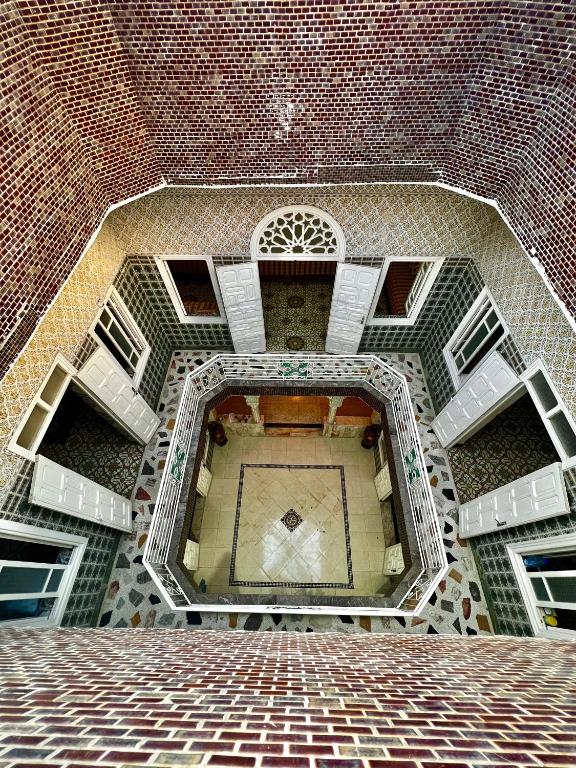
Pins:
<point x="194" y="285"/>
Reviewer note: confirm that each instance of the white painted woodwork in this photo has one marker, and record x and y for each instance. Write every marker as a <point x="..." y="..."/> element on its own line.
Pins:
<point x="393" y="560"/>
<point x="59" y="488"/>
<point x="39" y="414"/>
<point x="192" y="555"/>
<point x="102" y="377"/>
<point x="490" y="389"/>
<point x="354" y="289"/>
<point x="240" y="289"/>
<point x="532" y="497"/>
<point x="552" y="410"/>
<point x="383" y="483"/>
<point x="204" y="480"/>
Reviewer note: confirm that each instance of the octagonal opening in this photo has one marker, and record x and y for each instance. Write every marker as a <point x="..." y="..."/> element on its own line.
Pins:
<point x="295" y="483"/>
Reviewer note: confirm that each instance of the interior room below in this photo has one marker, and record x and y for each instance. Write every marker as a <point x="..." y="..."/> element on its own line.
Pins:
<point x="284" y="515"/>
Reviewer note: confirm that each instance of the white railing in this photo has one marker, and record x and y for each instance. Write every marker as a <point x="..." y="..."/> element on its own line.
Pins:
<point x="271" y="368"/>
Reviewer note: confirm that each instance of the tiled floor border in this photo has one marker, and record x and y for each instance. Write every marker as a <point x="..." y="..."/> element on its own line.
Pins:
<point x="288" y="584"/>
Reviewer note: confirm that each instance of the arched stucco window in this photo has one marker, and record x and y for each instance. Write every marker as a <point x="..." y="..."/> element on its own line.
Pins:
<point x="298" y="232"/>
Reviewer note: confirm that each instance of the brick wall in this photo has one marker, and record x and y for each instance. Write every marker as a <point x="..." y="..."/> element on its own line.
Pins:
<point x="180" y="698"/>
<point x="107" y="99"/>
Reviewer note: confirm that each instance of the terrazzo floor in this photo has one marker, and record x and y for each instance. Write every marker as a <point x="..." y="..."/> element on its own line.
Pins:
<point x="458" y="605"/>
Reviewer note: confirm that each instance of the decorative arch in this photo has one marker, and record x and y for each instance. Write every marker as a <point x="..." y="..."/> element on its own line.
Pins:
<point x="298" y="232"/>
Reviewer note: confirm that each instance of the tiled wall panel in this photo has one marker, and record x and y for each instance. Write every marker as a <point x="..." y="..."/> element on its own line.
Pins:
<point x="162" y="697"/>
<point x="62" y="330"/>
<point x="106" y="99"/>
<point x="140" y="285"/>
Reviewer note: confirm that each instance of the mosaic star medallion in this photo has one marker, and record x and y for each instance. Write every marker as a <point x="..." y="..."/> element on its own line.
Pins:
<point x="291" y="520"/>
<point x="295" y="342"/>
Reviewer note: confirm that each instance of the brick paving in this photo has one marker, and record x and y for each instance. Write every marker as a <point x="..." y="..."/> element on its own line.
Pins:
<point x="165" y="697"/>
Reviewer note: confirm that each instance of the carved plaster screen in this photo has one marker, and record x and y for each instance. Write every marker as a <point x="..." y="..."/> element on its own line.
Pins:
<point x="298" y="232"/>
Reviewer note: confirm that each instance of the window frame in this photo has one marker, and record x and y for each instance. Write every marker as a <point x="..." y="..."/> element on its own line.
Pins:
<point x="427" y="285"/>
<point x="547" y="414"/>
<point x="516" y="551"/>
<point x="22" y="532"/>
<point x="174" y="294"/>
<point x="48" y="408"/>
<point x="465" y="327"/>
<point x="133" y="328"/>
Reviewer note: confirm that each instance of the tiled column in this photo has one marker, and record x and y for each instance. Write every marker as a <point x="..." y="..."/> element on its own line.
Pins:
<point x="253" y="401"/>
<point x="334" y="403"/>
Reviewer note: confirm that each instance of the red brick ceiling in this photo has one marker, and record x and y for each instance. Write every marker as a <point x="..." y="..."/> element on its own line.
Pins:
<point x="105" y="99"/>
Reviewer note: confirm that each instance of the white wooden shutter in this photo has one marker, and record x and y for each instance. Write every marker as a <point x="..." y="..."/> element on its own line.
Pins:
<point x="192" y="555"/>
<point x="354" y="289"/>
<point x="204" y="480"/>
<point x="491" y="388"/>
<point x="383" y="483"/>
<point x="102" y="376"/>
<point x="393" y="560"/>
<point x="59" y="488"/>
<point x="532" y="497"/>
<point x="240" y="288"/>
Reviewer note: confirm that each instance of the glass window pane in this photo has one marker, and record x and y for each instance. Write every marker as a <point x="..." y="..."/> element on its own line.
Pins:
<point x="475" y="341"/>
<point x="540" y="589"/>
<point x="19" y="609"/>
<point x="120" y="339"/>
<point x="563" y="588"/>
<point x="29" y="551"/>
<point x="492" y="319"/>
<point x="104" y="317"/>
<point x="14" y="580"/>
<point x="54" y="581"/>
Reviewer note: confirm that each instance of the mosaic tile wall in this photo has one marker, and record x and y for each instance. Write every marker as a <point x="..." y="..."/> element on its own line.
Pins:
<point x="140" y="285"/>
<point x="506" y="605"/>
<point x="63" y="330"/>
<point x="70" y="154"/>
<point x="377" y="221"/>
<point x="284" y="700"/>
<point x="536" y="323"/>
<point x="475" y="93"/>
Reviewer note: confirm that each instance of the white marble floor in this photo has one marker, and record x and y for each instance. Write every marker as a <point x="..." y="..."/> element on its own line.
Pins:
<point x="339" y="544"/>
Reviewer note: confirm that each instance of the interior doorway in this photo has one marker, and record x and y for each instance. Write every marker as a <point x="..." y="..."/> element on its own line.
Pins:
<point x="296" y="299"/>
<point x="82" y="440"/>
